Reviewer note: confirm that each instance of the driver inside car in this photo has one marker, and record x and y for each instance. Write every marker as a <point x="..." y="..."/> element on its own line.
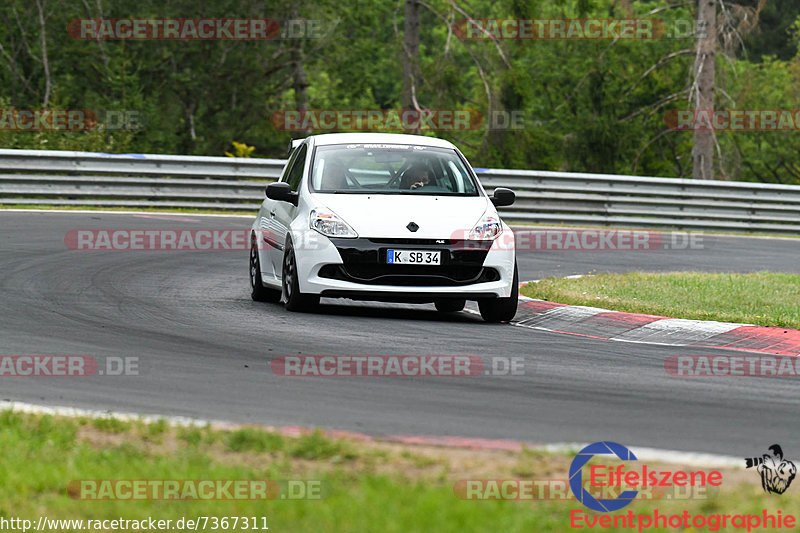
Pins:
<point x="416" y="177"/>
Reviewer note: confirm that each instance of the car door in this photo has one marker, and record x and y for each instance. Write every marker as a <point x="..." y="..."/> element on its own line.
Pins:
<point x="268" y="247"/>
<point x="282" y="213"/>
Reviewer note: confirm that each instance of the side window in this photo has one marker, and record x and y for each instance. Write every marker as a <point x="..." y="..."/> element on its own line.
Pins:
<point x="296" y="173"/>
<point x="288" y="167"/>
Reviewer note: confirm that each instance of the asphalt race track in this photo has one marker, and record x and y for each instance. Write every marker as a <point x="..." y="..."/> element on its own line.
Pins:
<point x="205" y="347"/>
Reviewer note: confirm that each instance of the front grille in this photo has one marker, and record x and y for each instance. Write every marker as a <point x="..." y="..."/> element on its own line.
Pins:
<point x="364" y="261"/>
<point x="410" y="275"/>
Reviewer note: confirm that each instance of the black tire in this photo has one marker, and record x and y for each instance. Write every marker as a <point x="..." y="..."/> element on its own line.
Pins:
<point x="501" y="309"/>
<point x="446" y="305"/>
<point x="258" y="291"/>
<point x="293" y="299"/>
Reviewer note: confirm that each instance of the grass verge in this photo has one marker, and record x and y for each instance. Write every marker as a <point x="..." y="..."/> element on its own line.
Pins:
<point x="371" y="486"/>
<point x="762" y="298"/>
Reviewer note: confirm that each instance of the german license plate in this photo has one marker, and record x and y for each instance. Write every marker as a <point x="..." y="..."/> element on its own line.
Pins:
<point x="413" y="257"/>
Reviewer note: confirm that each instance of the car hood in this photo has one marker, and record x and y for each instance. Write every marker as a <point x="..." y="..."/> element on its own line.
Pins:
<point x="387" y="215"/>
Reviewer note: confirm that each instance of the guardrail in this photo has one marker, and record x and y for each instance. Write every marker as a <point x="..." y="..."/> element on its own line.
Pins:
<point x="134" y="180"/>
<point x="553" y="198"/>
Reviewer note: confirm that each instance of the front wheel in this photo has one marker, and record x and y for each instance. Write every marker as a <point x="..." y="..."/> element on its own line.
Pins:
<point x="293" y="299"/>
<point x="258" y="291"/>
<point x="501" y="309"/>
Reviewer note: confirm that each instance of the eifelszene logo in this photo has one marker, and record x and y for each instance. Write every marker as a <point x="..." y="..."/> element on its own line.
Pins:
<point x="620" y="477"/>
<point x="776" y="472"/>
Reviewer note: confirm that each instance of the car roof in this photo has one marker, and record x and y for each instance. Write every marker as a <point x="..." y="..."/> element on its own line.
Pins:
<point x="379" y="138"/>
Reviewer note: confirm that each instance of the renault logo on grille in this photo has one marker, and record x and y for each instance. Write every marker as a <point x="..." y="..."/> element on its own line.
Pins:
<point x="412" y="227"/>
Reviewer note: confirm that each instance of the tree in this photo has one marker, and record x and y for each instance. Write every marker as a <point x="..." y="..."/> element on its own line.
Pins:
<point x="704" y="87"/>
<point x="411" y="77"/>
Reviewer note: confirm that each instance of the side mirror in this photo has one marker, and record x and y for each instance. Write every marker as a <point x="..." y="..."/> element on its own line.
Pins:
<point x="503" y="197"/>
<point x="282" y="192"/>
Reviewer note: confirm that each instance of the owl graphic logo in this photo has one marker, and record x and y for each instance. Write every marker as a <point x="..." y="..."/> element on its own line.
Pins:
<point x="776" y="472"/>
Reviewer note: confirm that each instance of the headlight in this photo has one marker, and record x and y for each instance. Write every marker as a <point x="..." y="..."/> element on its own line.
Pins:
<point x="487" y="229"/>
<point x="329" y="224"/>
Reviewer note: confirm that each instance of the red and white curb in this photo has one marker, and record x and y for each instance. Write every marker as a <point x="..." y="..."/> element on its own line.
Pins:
<point x="651" y="329"/>
<point x="644" y="454"/>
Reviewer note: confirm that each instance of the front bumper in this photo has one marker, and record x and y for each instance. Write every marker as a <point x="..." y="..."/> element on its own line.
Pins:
<point x="357" y="268"/>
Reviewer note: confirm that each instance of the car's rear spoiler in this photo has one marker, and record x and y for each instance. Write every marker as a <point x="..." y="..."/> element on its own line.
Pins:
<point x="294" y="143"/>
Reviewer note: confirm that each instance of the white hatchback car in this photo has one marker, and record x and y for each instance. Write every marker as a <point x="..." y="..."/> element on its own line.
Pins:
<point x="383" y="217"/>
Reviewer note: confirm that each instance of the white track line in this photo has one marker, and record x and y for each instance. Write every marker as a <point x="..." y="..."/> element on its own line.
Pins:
<point x="178" y="421"/>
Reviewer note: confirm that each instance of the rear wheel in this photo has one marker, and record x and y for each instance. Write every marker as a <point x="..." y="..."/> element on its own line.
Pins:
<point x="501" y="309"/>
<point x="294" y="300"/>
<point x="445" y="305"/>
<point x="258" y="291"/>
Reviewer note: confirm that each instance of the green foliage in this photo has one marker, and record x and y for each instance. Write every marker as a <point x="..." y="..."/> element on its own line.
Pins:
<point x="585" y="105"/>
<point x="111" y="425"/>
<point x="255" y="440"/>
<point x="317" y="446"/>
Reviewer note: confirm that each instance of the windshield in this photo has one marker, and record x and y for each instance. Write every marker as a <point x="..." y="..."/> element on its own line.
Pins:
<point x="390" y="169"/>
